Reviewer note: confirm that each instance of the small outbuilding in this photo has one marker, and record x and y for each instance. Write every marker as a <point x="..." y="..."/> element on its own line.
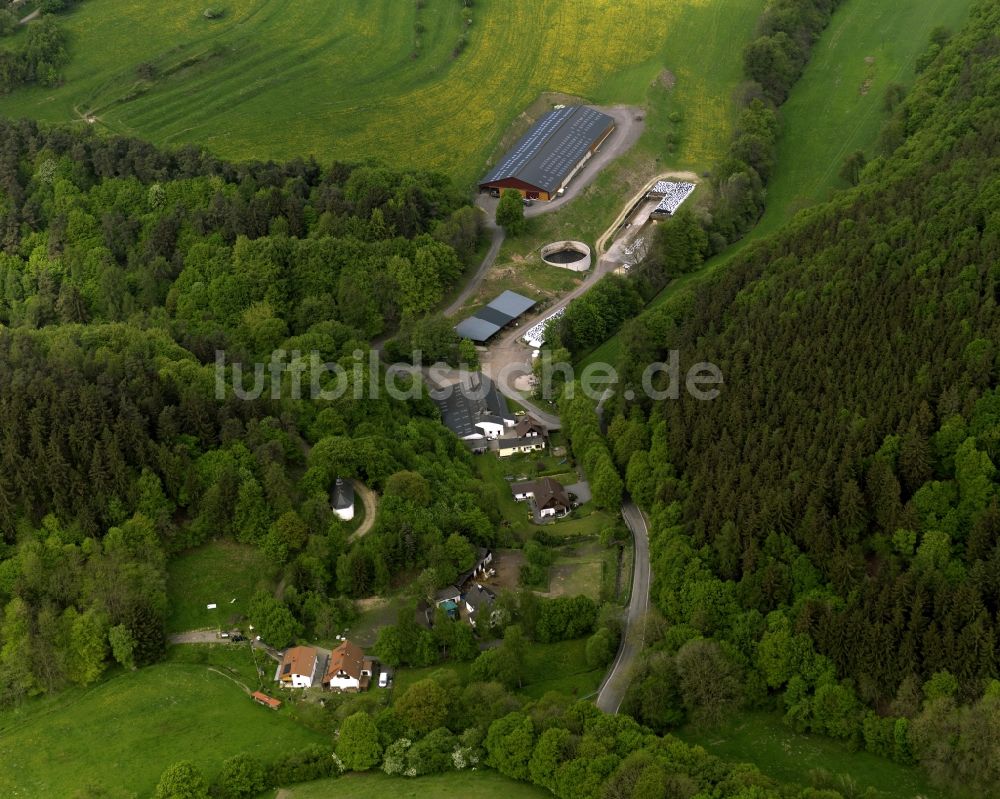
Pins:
<point x="342" y="499"/>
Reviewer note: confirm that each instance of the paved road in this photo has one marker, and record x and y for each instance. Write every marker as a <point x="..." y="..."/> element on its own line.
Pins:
<point x="612" y="692"/>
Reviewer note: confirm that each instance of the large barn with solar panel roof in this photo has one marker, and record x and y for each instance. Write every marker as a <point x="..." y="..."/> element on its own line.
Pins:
<point x="548" y="156"/>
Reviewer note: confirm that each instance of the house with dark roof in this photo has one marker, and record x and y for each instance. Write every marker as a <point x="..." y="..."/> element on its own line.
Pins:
<point x="348" y="669"/>
<point x="342" y="499"/>
<point x="299" y="667"/>
<point x="547" y="496"/>
<point x="479" y="601"/>
<point x="526" y="435"/>
<point x="551" y="153"/>
<point x="474" y="409"/>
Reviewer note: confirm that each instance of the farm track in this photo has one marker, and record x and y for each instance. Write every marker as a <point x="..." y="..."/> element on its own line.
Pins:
<point x="370" y="500"/>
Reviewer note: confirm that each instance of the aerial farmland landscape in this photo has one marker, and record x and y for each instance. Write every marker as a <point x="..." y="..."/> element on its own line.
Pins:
<point x="436" y="398"/>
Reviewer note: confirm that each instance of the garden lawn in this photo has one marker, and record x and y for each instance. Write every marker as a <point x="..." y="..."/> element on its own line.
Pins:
<point x="560" y="667"/>
<point x="214" y="573"/>
<point x="124" y="732"/>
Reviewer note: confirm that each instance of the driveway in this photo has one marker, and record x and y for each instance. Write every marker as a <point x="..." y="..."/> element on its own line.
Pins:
<point x="615" y="685"/>
<point x="581" y="490"/>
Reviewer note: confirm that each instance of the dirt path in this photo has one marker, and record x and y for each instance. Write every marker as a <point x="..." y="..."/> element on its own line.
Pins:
<point x="370" y="500"/>
<point x="196" y="637"/>
<point x="242" y="685"/>
<point x="497" y="236"/>
<point x="33" y="15"/>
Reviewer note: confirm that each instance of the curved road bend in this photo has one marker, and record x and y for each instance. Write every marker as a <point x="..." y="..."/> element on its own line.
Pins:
<point x="612" y="691"/>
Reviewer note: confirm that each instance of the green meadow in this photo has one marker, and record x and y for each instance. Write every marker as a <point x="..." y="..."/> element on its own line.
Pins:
<point x="361" y="78"/>
<point x="122" y="733"/>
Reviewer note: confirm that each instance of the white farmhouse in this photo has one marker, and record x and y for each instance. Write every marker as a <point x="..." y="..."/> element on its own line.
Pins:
<point x="348" y="670"/>
<point x="298" y="668"/>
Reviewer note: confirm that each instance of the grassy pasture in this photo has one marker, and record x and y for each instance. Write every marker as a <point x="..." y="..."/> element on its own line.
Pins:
<point x="785" y="755"/>
<point x="215" y="572"/>
<point x="122" y="733"/>
<point x="835" y="108"/>
<point x="278" y="79"/>
<point x="477" y="784"/>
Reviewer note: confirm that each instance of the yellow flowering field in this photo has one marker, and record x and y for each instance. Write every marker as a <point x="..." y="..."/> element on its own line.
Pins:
<point x="352" y="79"/>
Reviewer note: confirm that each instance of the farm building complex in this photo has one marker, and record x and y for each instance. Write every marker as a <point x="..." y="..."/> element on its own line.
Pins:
<point x="548" y="156"/>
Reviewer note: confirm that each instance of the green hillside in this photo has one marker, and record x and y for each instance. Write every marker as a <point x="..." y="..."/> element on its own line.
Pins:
<point x="835" y="108"/>
<point x="124" y="732"/>
<point x="355" y="79"/>
<point x="824" y="533"/>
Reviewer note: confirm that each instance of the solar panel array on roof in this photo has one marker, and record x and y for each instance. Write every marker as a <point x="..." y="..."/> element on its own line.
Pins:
<point x="499" y="313"/>
<point x="549" y="152"/>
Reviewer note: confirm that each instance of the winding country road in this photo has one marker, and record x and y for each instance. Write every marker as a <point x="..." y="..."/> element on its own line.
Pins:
<point x="612" y="691"/>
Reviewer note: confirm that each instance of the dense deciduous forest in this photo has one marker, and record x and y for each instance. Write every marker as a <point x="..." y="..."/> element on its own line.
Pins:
<point x="826" y="532"/>
<point x="123" y="270"/>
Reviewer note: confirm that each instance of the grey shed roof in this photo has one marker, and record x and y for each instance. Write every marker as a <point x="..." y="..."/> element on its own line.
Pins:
<point x="490" y="314"/>
<point x="502" y="311"/>
<point x="548" y="152"/>
<point x="476" y="329"/>
<point x="343" y="494"/>
<point x="511" y="304"/>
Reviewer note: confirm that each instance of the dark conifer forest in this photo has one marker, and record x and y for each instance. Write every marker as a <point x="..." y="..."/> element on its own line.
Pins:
<point x="830" y="523"/>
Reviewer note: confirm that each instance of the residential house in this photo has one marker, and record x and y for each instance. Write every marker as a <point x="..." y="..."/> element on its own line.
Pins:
<point x="474" y="409"/>
<point x="548" y="496"/>
<point x="509" y="446"/>
<point x="526" y="435"/>
<point x="447" y="599"/>
<point x="348" y="670"/>
<point x="342" y="499"/>
<point x="479" y="604"/>
<point x="528" y="427"/>
<point x="299" y="667"/>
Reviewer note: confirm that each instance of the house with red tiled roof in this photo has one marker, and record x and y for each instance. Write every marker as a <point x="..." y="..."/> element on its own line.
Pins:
<point x="348" y="669"/>
<point x="299" y="667"/>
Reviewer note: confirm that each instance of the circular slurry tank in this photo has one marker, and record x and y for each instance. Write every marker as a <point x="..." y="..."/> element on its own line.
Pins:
<point x="573" y="255"/>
